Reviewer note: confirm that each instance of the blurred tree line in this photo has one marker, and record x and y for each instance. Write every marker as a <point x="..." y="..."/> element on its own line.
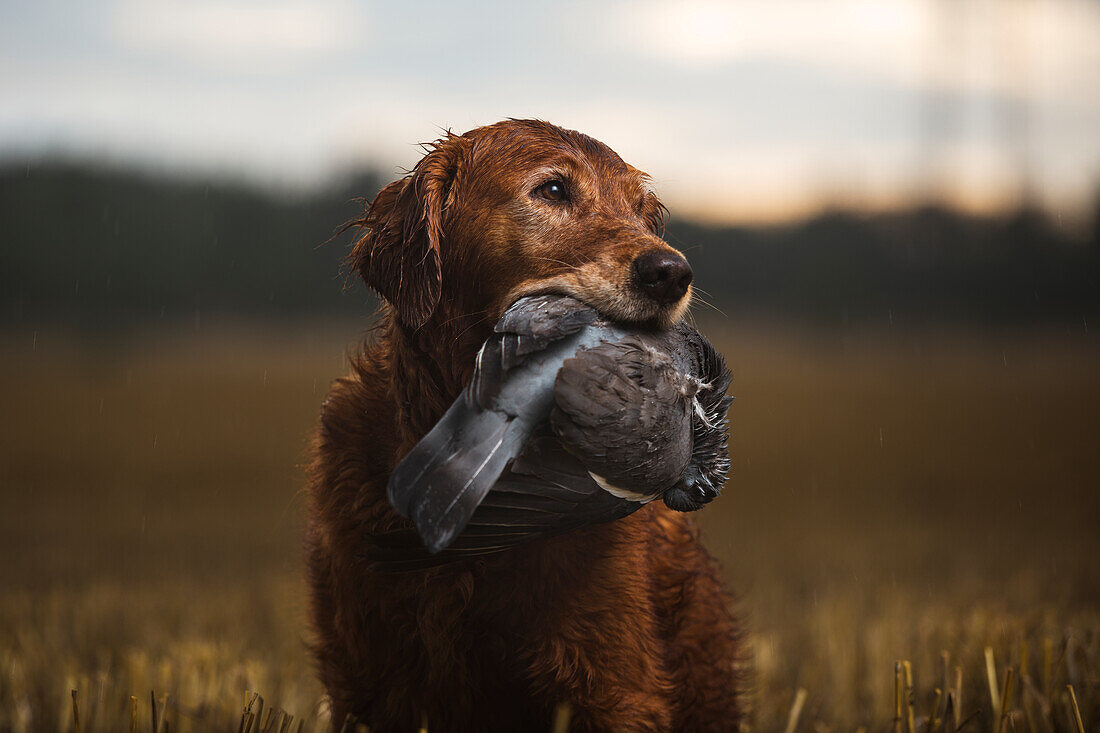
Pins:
<point x="90" y="246"/>
<point x="929" y="264"/>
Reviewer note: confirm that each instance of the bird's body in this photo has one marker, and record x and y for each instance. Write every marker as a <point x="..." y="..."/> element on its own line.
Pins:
<point x="568" y="420"/>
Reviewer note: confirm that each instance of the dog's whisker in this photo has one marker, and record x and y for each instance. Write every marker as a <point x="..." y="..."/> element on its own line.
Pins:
<point x="697" y="289"/>
<point x="697" y="297"/>
<point x="550" y="259"/>
<point x="449" y="321"/>
<point x="464" y="331"/>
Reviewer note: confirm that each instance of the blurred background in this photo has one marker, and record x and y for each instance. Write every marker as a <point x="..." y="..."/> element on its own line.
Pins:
<point x="892" y="209"/>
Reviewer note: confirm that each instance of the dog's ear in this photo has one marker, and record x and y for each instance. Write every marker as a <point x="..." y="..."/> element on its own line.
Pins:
<point x="398" y="255"/>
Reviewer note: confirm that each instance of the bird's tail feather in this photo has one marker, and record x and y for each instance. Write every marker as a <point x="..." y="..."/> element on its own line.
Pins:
<point x="442" y="480"/>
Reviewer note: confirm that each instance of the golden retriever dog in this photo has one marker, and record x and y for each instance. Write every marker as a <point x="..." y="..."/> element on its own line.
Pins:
<point x="626" y="622"/>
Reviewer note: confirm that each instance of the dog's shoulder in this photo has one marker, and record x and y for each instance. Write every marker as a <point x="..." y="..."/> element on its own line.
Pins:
<point x="353" y="445"/>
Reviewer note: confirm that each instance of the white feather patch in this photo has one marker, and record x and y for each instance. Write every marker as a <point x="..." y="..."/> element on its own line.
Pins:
<point x="621" y="493"/>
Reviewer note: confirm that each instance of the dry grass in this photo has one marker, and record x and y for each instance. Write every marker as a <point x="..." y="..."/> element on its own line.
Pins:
<point x="893" y="497"/>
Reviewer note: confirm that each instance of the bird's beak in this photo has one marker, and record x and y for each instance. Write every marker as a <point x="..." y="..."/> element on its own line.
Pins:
<point x="690" y="497"/>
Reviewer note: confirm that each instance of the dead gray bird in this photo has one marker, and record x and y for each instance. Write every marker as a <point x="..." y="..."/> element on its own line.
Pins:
<point x="568" y="420"/>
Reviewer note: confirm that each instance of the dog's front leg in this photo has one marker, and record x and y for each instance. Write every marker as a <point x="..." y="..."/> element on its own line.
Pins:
<point x="608" y="669"/>
<point x="592" y="635"/>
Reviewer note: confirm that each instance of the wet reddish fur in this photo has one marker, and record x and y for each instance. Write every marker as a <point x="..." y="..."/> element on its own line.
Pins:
<point x="627" y="621"/>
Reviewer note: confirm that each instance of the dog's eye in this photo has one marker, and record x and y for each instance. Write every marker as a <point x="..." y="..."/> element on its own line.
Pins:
<point x="551" y="191"/>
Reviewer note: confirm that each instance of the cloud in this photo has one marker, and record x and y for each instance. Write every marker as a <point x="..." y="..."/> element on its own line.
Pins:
<point x="886" y="36"/>
<point x="1028" y="49"/>
<point x="705" y="31"/>
<point x="252" y="36"/>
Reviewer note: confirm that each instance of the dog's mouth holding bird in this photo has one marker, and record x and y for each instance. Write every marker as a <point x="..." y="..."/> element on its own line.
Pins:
<point x="554" y="212"/>
<point x="651" y="289"/>
<point x="563" y="214"/>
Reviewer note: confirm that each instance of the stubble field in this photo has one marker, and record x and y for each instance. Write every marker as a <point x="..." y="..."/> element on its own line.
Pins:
<point x="894" y="496"/>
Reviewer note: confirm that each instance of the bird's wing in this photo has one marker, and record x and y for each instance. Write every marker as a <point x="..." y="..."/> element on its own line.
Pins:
<point x="544" y="492"/>
<point x="624" y="409"/>
<point x="523" y="332"/>
<point x="444" y="478"/>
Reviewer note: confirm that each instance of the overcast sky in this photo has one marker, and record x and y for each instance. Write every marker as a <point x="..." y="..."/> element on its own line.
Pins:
<point x="747" y="110"/>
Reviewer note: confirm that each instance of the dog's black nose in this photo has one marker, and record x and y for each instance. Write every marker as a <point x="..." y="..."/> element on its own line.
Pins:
<point x="662" y="276"/>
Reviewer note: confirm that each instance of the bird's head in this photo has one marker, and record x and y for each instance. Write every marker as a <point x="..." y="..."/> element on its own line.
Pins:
<point x="692" y="492"/>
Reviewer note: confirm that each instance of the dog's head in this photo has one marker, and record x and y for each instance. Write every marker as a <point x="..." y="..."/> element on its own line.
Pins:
<point x="519" y="208"/>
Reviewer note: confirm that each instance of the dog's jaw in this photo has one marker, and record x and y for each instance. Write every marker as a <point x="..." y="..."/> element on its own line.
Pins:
<point x="617" y="302"/>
